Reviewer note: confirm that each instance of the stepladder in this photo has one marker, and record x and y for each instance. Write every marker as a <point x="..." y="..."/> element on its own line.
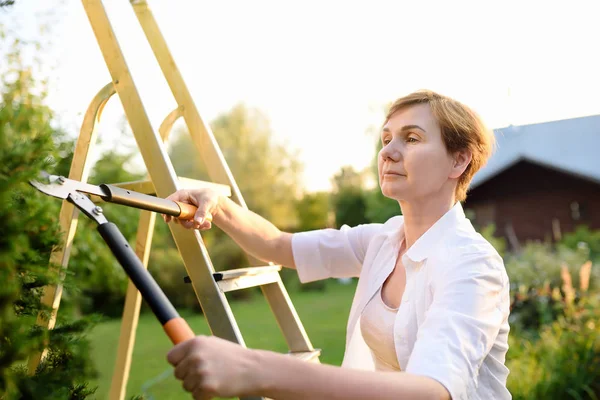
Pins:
<point x="209" y="285"/>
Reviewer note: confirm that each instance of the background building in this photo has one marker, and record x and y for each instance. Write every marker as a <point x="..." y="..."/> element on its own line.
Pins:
<point x="542" y="181"/>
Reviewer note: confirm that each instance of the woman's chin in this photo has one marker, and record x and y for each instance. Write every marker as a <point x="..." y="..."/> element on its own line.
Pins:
<point x="392" y="193"/>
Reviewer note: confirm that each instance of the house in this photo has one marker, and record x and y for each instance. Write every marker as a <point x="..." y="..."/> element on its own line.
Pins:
<point x="542" y="181"/>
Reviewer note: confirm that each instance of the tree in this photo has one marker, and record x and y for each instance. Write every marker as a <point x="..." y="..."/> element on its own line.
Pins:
<point x="347" y="178"/>
<point x="348" y="198"/>
<point x="267" y="174"/>
<point x="313" y="211"/>
<point x="28" y="232"/>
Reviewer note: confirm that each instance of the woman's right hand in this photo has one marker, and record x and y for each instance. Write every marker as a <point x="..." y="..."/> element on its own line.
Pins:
<point x="208" y="202"/>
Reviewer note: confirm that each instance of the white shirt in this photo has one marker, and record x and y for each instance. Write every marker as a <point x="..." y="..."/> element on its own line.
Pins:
<point x="452" y="324"/>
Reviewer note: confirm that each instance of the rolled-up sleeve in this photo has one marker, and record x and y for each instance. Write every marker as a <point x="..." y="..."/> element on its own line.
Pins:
<point x="462" y="323"/>
<point x="331" y="253"/>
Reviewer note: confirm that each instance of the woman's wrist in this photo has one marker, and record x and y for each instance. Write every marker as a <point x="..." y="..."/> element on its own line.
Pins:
<point x="259" y="372"/>
<point x="220" y="208"/>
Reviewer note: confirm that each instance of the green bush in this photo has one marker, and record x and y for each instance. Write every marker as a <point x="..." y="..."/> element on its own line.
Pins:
<point x="563" y="362"/>
<point x="583" y="239"/>
<point x="539" y="264"/>
<point x="537" y="285"/>
<point x="555" y="324"/>
<point x="28" y="233"/>
<point x="167" y="268"/>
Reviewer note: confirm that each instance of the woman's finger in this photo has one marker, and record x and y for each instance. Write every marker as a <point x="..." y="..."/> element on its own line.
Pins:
<point x="203" y="212"/>
<point x="191" y="383"/>
<point x="200" y="394"/>
<point x="187" y="223"/>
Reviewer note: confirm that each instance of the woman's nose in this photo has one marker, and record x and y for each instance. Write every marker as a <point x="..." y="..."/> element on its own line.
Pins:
<point x="391" y="152"/>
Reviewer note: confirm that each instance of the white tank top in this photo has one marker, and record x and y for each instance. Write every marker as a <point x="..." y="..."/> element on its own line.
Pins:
<point x="377" y="327"/>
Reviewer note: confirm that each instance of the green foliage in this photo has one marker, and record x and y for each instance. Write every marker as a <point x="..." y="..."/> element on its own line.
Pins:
<point x="100" y="280"/>
<point x="28" y="232"/>
<point x="554" y="325"/>
<point x="537" y="285"/>
<point x="167" y="268"/>
<point x="350" y="208"/>
<point x="313" y="211"/>
<point x="563" y="362"/>
<point x="583" y="238"/>
<point x="554" y="345"/>
<point x="379" y="207"/>
<point x="539" y="264"/>
<point x="349" y="203"/>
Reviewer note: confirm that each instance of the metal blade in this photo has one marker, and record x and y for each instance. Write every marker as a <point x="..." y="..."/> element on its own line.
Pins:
<point x="59" y="186"/>
<point x="89" y="188"/>
<point x="50" y="189"/>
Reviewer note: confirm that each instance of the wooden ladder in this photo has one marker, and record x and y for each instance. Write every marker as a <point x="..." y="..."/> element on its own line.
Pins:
<point x="210" y="287"/>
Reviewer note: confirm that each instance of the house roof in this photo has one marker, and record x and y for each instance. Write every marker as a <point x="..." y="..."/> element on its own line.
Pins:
<point x="570" y="145"/>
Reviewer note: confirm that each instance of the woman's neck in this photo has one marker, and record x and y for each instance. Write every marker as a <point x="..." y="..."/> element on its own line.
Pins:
<point x="420" y="215"/>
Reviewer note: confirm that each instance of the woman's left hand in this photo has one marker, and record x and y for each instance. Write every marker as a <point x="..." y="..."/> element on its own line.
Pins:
<point x="210" y="367"/>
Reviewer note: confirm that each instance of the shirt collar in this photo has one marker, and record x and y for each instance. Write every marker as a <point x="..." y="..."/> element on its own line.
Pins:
<point x="427" y="243"/>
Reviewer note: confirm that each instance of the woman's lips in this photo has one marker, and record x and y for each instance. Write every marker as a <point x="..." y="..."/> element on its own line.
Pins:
<point x="392" y="173"/>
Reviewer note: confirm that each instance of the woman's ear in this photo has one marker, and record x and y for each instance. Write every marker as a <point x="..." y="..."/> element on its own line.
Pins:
<point x="462" y="159"/>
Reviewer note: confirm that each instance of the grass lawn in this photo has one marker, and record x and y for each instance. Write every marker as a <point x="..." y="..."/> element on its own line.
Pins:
<point x="324" y="315"/>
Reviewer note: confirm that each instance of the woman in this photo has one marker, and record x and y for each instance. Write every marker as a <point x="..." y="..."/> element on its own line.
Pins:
<point x="430" y="314"/>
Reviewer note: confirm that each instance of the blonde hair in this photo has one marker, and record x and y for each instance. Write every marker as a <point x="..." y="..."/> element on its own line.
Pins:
<point x="461" y="127"/>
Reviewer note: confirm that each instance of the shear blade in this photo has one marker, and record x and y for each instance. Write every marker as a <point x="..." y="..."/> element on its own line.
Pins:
<point x="50" y="189"/>
<point x="58" y="186"/>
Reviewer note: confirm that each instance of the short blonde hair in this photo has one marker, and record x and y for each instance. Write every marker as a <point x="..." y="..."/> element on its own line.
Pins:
<point x="461" y="127"/>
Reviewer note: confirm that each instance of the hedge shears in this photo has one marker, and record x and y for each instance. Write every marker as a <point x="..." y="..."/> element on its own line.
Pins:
<point x="176" y="328"/>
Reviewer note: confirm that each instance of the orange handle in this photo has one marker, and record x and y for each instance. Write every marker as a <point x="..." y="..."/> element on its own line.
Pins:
<point x="187" y="210"/>
<point x="178" y="330"/>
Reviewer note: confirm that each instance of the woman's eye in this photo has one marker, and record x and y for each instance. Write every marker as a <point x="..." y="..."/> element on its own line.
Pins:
<point x="385" y="141"/>
<point x="412" y="139"/>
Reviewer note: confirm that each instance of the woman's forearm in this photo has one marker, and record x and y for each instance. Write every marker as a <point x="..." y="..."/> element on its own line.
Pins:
<point x="285" y="378"/>
<point x="254" y="234"/>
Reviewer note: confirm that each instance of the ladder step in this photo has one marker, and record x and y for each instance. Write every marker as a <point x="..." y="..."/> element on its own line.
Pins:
<point x="250" y="271"/>
<point x="307" y="355"/>
<point x="146" y="187"/>
<point x="243" y="278"/>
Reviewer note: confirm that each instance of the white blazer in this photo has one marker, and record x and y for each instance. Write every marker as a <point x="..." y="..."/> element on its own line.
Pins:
<point x="452" y="324"/>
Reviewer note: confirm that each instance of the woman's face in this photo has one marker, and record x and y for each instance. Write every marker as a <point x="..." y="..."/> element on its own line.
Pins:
<point x="414" y="163"/>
